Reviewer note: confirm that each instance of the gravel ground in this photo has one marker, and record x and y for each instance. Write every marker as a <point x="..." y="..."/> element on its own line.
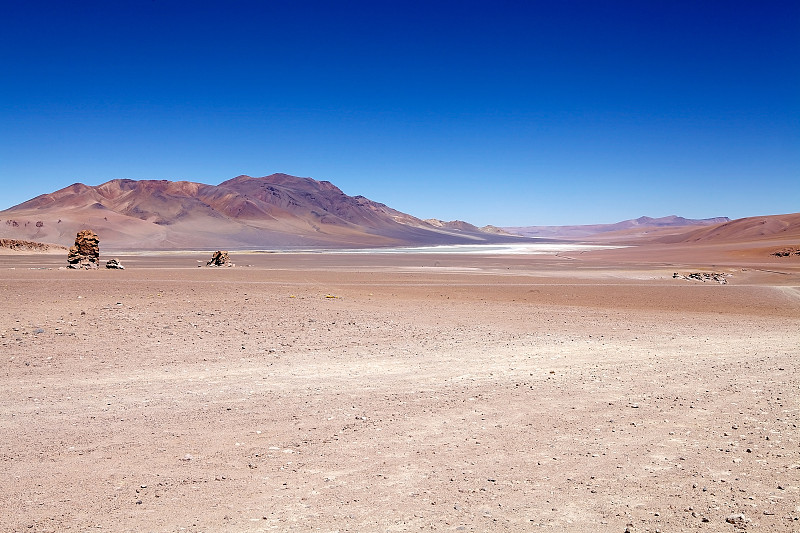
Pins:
<point x="331" y="392"/>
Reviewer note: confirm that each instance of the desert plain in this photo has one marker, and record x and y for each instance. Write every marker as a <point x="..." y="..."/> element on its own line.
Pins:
<point x="401" y="392"/>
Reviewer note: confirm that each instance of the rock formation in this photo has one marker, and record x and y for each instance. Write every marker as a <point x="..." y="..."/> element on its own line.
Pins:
<point x="220" y="259"/>
<point x="718" y="277"/>
<point x="786" y="252"/>
<point x="114" y="263"/>
<point x="86" y="251"/>
<point x="29" y="246"/>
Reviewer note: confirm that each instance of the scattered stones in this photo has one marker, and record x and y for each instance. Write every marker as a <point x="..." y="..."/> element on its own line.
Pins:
<point x="114" y="264"/>
<point x="452" y="372"/>
<point x="786" y="252"/>
<point x="719" y="277"/>
<point x="28" y="246"/>
<point x="219" y="259"/>
<point x="86" y="251"/>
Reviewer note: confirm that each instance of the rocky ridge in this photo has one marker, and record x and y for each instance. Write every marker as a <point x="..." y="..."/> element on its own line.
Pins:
<point x="786" y="252"/>
<point x="29" y="246"/>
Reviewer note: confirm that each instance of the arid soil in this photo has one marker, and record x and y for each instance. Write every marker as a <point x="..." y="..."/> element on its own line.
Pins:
<point x="324" y="392"/>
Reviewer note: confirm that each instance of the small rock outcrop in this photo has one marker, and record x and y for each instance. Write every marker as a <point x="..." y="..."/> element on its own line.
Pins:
<point x="86" y="251"/>
<point x="29" y="246"/>
<point x="786" y="252"/>
<point x="219" y="259"/>
<point x="114" y="263"/>
<point x="718" y="277"/>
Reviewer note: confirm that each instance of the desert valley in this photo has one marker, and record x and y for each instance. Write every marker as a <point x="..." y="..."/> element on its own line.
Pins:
<point x="347" y="375"/>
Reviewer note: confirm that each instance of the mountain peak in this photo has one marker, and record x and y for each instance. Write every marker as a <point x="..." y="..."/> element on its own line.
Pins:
<point x="243" y="212"/>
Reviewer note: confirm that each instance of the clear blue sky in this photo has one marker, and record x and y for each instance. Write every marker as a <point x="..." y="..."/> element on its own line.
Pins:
<point x="506" y="113"/>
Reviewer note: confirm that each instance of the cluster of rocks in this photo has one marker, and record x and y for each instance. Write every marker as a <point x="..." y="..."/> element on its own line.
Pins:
<point x="86" y="251"/>
<point x="219" y="259"/>
<point x="28" y="246"/>
<point x="786" y="252"/>
<point x="718" y="277"/>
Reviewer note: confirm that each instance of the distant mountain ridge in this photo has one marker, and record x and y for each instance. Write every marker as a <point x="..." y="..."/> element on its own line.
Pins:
<point x="244" y="212"/>
<point x="287" y="212"/>
<point x="751" y="229"/>
<point x="589" y="230"/>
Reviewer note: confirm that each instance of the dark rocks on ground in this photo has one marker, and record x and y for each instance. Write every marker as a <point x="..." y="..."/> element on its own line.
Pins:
<point x="114" y="263"/>
<point x="718" y="277"/>
<point x="220" y="258"/>
<point x="786" y="252"/>
<point x="28" y="246"/>
<point x="86" y="251"/>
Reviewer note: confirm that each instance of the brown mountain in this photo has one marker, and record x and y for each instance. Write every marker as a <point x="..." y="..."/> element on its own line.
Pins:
<point x="241" y="213"/>
<point x="763" y="229"/>
<point x="750" y="233"/>
<point x="641" y="225"/>
<point x="753" y="236"/>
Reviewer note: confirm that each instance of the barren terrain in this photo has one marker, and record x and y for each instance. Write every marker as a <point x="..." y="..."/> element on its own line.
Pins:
<point x="243" y="212"/>
<point x="334" y="392"/>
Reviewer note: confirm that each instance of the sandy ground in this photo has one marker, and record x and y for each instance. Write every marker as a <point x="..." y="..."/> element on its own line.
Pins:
<point x="398" y="393"/>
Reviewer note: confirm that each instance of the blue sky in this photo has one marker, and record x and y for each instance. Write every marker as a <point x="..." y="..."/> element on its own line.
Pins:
<point x="505" y="113"/>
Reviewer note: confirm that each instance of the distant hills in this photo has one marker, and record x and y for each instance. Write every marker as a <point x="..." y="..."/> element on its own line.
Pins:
<point x="626" y="228"/>
<point x="276" y="211"/>
<point x="764" y="229"/>
<point x="285" y="212"/>
<point x="745" y="233"/>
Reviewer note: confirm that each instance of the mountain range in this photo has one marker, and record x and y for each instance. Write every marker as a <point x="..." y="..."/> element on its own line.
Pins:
<point x="744" y="233"/>
<point x="276" y="211"/>
<point x="623" y="228"/>
<point x="287" y="212"/>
